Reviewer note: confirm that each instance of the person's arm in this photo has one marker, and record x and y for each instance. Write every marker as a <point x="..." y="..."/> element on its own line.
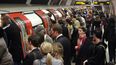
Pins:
<point x="2" y="51"/>
<point x="28" y="60"/>
<point x="97" y="58"/>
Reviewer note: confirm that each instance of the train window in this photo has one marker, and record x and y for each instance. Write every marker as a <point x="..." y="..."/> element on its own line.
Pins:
<point x="34" y="18"/>
<point x="59" y="14"/>
<point x="45" y="11"/>
<point x="52" y="17"/>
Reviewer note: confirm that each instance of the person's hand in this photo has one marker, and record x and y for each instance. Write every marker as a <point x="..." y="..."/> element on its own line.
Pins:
<point x="85" y="62"/>
<point x="76" y="47"/>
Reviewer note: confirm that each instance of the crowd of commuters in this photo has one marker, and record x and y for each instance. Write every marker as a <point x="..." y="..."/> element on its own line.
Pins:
<point x="78" y="37"/>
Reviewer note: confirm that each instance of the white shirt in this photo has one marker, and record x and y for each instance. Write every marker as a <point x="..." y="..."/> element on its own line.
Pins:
<point x="59" y="36"/>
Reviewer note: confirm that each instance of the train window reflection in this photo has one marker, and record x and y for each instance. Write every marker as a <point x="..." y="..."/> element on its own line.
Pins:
<point x="35" y="19"/>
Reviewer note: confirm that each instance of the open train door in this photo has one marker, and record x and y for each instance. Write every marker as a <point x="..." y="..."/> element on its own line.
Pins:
<point x="61" y="11"/>
<point x="44" y="18"/>
<point x="54" y="13"/>
<point x="25" y="27"/>
<point x="58" y="15"/>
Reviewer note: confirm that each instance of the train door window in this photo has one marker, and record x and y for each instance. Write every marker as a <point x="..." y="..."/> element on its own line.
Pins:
<point x="59" y="14"/>
<point x="24" y="35"/>
<point x="52" y="17"/>
<point x="34" y="18"/>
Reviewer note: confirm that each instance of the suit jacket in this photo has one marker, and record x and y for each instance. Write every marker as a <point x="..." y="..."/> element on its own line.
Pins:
<point x="5" y="56"/>
<point x="74" y="37"/>
<point x="66" y="47"/>
<point x="86" y="50"/>
<point x="98" y="57"/>
<point x="35" y="54"/>
<point x="14" y="42"/>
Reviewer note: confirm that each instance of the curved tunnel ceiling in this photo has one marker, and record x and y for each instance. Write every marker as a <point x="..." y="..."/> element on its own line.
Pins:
<point x="41" y="2"/>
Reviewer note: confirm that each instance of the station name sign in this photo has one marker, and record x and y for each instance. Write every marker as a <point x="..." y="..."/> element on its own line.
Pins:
<point x="102" y="3"/>
<point x="82" y="3"/>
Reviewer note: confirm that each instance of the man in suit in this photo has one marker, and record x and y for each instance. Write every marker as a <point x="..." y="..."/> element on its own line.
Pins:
<point x="56" y="32"/>
<point x="34" y="52"/>
<point x="13" y="35"/>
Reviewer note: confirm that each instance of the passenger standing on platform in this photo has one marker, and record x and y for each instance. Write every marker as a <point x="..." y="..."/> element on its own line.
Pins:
<point x="73" y="38"/>
<point x="41" y="30"/>
<point x="58" y="51"/>
<point x="110" y="36"/>
<point x="5" y="56"/>
<point x="34" y="53"/>
<point x="84" y="46"/>
<point x="98" y="57"/>
<point x="56" y="32"/>
<point x="48" y="59"/>
<point x="64" y="27"/>
<point x="14" y="39"/>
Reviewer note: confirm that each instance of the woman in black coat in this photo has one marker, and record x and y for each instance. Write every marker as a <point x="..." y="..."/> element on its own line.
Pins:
<point x="84" y="47"/>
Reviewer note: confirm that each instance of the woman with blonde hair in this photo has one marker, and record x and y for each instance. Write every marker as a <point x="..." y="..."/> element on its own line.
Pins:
<point x="48" y="59"/>
<point x="58" y="51"/>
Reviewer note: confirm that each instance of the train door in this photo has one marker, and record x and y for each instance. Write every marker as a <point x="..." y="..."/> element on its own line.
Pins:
<point x="61" y="11"/>
<point x="59" y="14"/>
<point x="44" y="18"/>
<point x="25" y="29"/>
<point x="54" y="13"/>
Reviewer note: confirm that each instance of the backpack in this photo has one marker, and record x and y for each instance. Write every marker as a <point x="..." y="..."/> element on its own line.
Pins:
<point x="106" y="53"/>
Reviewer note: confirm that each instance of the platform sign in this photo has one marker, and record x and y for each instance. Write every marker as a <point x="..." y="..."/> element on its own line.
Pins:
<point x="101" y="3"/>
<point x="82" y="3"/>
